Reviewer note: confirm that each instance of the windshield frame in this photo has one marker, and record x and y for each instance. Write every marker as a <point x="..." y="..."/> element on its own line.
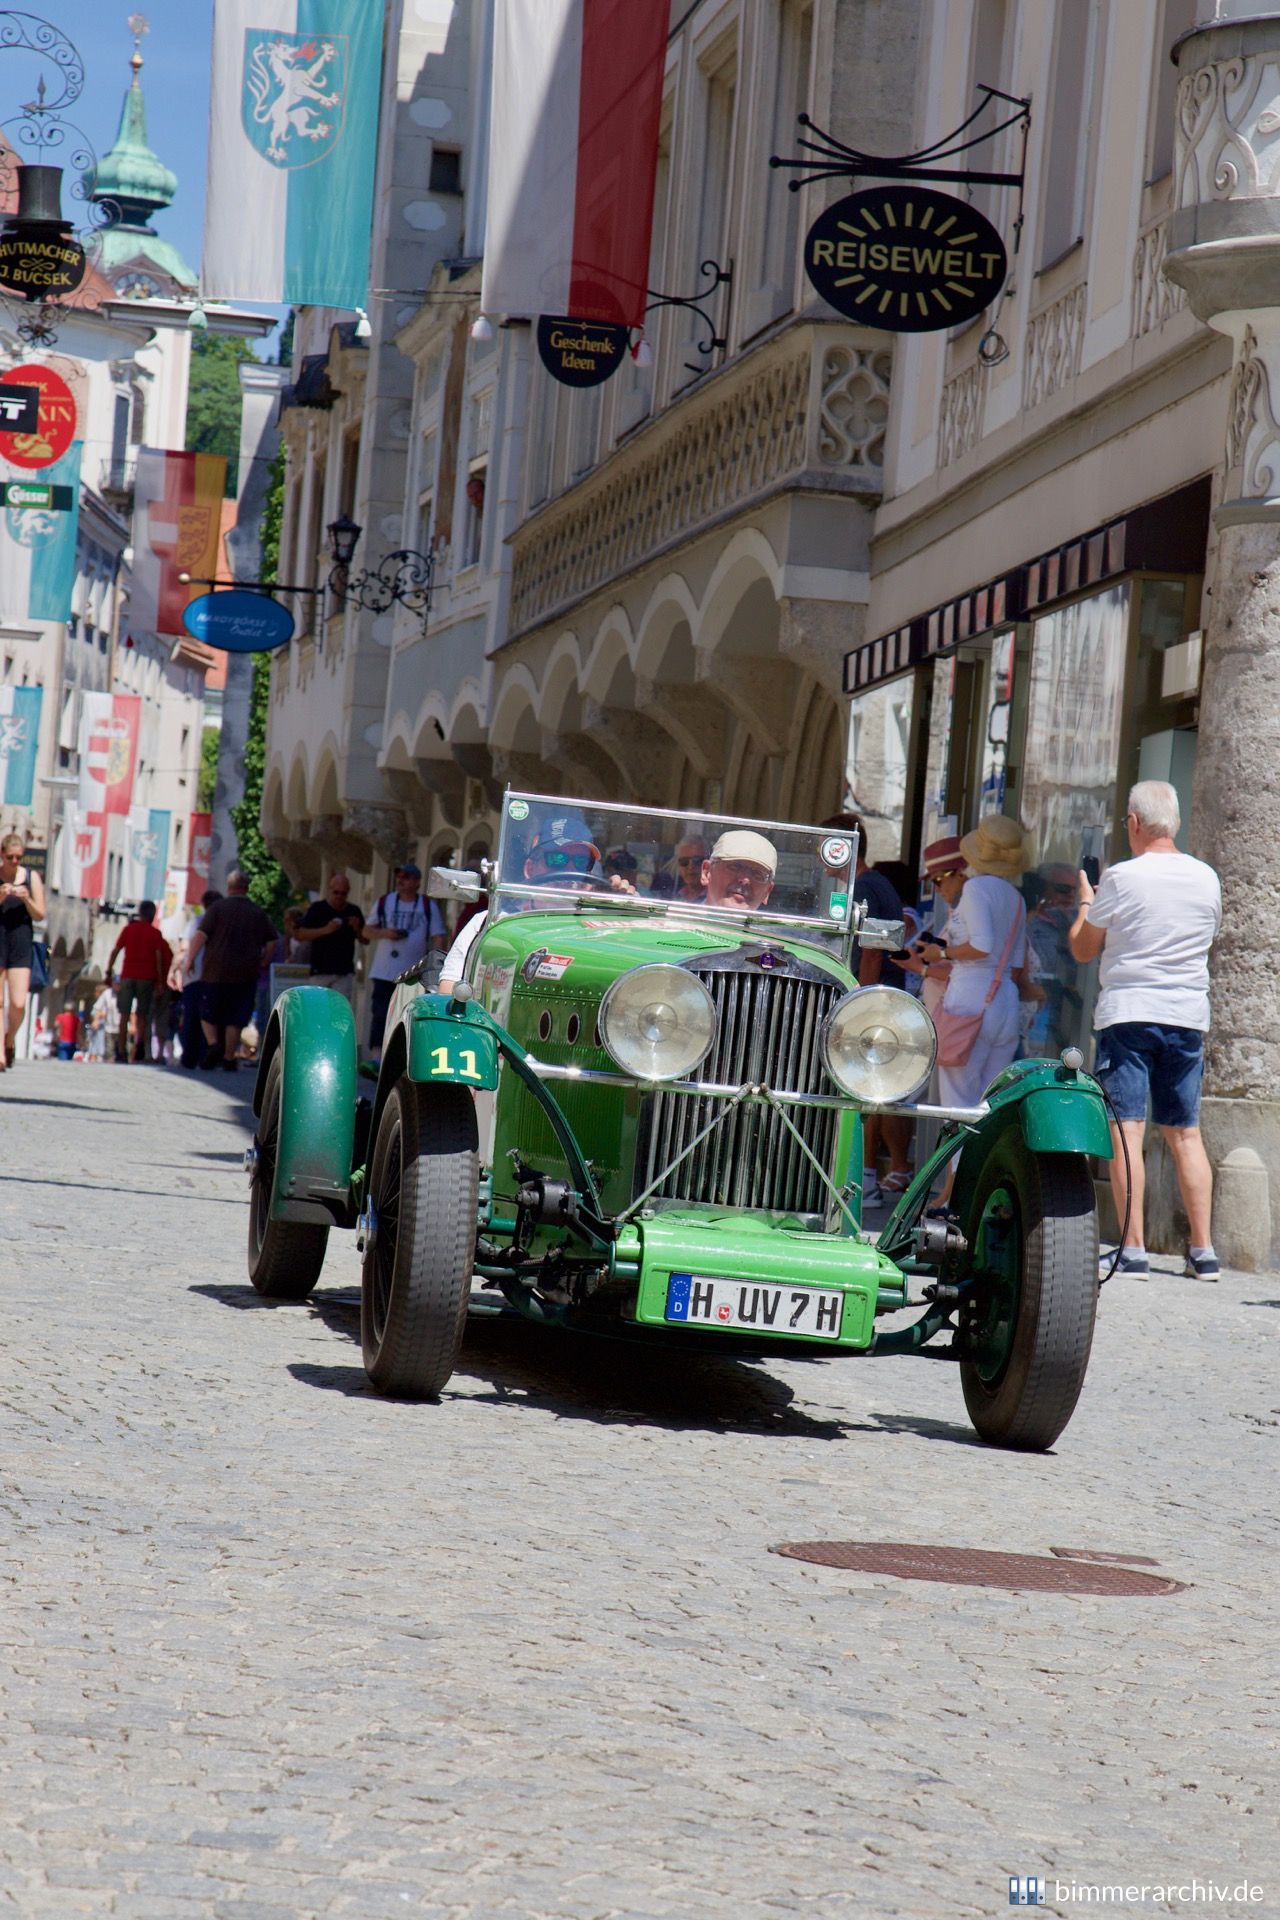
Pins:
<point x="824" y="931"/>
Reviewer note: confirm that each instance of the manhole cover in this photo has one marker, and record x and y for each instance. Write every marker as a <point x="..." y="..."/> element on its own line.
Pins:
<point x="975" y="1567"/>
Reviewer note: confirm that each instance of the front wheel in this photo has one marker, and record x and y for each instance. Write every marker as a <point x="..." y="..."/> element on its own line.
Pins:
<point x="1025" y="1337"/>
<point x="285" y="1256"/>
<point x="420" y="1250"/>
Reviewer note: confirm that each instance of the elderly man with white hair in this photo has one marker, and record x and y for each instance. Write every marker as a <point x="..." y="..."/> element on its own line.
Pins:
<point x="1153" y="920"/>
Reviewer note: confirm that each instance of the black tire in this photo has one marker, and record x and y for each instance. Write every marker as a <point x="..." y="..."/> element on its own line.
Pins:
<point x="416" y="1280"/>
<point x="285" y="1257"/>
<point x="1025" y="1342"/>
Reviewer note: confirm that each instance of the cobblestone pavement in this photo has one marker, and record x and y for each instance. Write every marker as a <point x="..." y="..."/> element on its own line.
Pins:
<point x="275" y="1647"/>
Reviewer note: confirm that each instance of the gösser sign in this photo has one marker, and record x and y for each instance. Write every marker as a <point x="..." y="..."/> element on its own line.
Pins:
<point x="580" y="353"/>
<point x="236" y="621"/>
<point x="905" y="258"/>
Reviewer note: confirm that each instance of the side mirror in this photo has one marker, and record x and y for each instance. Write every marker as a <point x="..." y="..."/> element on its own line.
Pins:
<point x="453" y="883"/>
<point x="885" y="936"/>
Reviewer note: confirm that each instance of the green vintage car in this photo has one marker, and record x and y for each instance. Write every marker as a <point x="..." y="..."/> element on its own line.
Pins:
<point x="635" y="1106"/>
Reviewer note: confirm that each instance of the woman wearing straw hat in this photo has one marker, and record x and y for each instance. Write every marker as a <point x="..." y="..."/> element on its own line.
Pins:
<point x="986" y="946"/>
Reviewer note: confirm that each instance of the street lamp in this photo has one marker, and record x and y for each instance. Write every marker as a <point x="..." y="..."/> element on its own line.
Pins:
<point x="403" y="576"/>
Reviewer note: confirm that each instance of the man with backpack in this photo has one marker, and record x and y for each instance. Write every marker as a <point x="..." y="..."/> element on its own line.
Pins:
<point x="404" y="928"/>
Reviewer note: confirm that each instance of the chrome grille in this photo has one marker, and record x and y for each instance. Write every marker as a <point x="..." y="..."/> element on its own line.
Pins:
<point x="768" y="1028"/>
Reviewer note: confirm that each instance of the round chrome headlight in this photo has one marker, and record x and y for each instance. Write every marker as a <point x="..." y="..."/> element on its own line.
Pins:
<point x="878" y="1045"/>
<point x="658" y="1022"/>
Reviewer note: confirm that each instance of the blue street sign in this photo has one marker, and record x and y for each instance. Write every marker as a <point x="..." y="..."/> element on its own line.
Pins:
<point x="237" y="621"/>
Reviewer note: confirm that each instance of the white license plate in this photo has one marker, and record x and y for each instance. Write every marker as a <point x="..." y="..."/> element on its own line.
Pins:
<point x="702" y="1300"/>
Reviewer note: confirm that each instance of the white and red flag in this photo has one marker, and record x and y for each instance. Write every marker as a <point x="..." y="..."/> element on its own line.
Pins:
<point x="573" y="156"/>
<point x="177" y="521"/>
<point x="108" y="755"/>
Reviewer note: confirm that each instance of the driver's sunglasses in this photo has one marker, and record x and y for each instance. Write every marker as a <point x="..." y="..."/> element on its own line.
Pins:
<point x="557" y="860"/>
<point x="746" y="870"/>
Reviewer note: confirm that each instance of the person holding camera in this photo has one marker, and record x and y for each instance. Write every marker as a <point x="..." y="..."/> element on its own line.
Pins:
<point x="404" y="929"/>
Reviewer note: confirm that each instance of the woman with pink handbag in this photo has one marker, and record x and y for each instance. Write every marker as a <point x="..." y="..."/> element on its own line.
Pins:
<point x="977" y="1021"/>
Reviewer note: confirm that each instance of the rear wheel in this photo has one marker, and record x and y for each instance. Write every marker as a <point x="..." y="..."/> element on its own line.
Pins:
<point x="285" y="1257"/>
<point x="1026" y="1335"/>
<point x="420" y="1251"/>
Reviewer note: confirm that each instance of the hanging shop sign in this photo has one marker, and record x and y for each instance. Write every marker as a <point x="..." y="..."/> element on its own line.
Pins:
<point x="236" y="621"/>
<point x="580" y="353"/>
<point x="19" y="409"/>
<point x="41" y="265"/>
<point x="55" y="427"/>
<point x="38" y="494"/>
<point x="905" y="258"/>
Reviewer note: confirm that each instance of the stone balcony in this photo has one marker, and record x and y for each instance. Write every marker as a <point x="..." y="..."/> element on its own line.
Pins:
<point x="805" y="410"/>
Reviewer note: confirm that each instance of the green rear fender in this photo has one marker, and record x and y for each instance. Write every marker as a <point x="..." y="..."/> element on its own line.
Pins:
<point x="314" y="1032"/>
<point x="1065" y="1120"/>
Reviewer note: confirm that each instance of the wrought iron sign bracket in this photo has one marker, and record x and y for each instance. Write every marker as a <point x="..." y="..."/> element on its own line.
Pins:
<point x="715" y="341"/>
<point x="403" y="576"/>
<point x="834" y="160"/>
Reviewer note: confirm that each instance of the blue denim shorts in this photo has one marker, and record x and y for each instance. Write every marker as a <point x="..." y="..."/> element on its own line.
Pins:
<point x="1138" y="1056"/>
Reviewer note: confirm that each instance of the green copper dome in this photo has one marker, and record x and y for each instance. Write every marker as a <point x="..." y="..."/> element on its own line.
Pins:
<point x="136" y="184"/>
<point x="131" y="174"/>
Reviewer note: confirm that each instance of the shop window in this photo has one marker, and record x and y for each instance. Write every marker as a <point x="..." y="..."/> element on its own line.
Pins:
<point x="877" y="775"/>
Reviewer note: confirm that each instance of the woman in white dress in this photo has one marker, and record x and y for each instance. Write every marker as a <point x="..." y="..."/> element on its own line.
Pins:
<point x="988" y="918"/>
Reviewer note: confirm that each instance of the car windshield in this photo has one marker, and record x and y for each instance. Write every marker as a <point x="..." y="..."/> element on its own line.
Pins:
<point x="584" y="855"/>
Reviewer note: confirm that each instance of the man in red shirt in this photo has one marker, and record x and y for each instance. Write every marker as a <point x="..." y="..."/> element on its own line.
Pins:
<point x="144" y="967"/>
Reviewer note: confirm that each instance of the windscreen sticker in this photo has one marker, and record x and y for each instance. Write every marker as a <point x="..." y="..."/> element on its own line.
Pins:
<point x="518" y="810"/>
<point x="834" y="854"/>
<point x="839" y="907"/>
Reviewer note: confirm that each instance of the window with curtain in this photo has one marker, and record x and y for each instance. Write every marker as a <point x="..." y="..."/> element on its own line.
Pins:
<point x="1066" y="150"/>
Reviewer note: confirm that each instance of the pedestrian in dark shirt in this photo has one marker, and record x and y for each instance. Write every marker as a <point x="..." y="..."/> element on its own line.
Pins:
<point x="330" y="929"/>
<point x="232" y="939"/>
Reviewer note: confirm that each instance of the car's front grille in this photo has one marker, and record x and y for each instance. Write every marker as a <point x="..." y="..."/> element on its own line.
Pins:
<point x="768" y="1028"/>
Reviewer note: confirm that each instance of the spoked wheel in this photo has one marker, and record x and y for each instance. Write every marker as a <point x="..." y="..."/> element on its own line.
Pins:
<point x="421" y="1238"/>
<point x="1026" y="1335"/>
<point x="285" y="1257"/>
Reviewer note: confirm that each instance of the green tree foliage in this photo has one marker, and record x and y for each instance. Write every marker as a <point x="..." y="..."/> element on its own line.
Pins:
<point x="213" y="398"/>
<point x="208" y="780"/>
<point x="269" y="884"/>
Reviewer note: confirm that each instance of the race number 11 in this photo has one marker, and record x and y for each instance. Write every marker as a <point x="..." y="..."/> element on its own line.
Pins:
<point x="444" y="1065"/>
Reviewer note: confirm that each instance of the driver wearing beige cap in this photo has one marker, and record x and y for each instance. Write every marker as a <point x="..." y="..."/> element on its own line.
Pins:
<point x="741" y="869"/>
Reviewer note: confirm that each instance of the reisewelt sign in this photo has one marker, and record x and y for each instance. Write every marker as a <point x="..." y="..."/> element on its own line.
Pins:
<point x="238" y="621"/>
<point x="905" y="258"/>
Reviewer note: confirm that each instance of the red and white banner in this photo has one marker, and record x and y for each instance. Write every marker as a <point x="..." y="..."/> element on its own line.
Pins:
<point x="108" y="754"/>
<point x="573" y="155"/>
<point x="200" y="842"/>
<point x="177" y="518"/>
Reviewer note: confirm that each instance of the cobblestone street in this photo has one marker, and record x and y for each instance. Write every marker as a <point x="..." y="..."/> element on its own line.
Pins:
<point x="276" y="1647"/>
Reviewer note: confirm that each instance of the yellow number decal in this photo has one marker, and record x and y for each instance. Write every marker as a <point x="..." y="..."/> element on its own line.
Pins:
<point x="444" y="1066"/>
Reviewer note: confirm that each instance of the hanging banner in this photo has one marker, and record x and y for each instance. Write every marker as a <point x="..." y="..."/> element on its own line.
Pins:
<point x="108" y="744"/>
<point x="146" y="854"/>
<point x="19" y="741"/>
<point x="177" y="518"/>
<point x="82" y="853"/>
<point x="200" y="841"/>
<point x="38" y="548"/>
<point x="905" y="258"/>
<point x="573" y="157"/>
<point x="56" y="423"/>
<point x="293" y="133"/>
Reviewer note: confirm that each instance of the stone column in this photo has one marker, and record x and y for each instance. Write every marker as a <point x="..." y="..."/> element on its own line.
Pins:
<point x="1224" y="249"/>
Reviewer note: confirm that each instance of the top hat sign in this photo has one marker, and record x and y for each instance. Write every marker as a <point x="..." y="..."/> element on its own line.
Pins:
<point x="905" y="258"/>
<point x="38" y="257"/>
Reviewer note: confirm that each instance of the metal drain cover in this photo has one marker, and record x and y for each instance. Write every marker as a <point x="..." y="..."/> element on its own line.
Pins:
<point x="975" y="1567"/>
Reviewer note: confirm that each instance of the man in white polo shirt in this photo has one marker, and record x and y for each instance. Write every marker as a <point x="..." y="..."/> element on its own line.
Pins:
<point x="1153" y="920"/>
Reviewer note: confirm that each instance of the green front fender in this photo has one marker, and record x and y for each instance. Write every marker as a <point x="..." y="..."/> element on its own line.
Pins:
<point x="313" y="1030"/>
<point x="451" y="1042"/>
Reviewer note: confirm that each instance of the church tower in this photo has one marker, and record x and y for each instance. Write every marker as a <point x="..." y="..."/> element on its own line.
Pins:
<point x="132" y="185"/>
